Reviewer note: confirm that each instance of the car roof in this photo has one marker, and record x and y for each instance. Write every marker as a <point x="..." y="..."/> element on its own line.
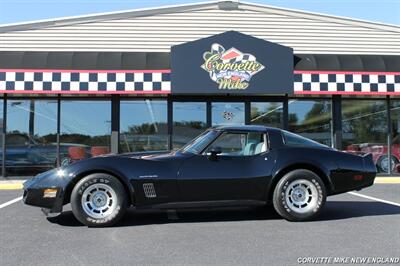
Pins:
<point x="256" y="128"/>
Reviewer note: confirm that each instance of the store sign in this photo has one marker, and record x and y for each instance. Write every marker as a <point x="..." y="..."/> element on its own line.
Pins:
<point x="231" y="63"/>
<point x="230" y="69"/>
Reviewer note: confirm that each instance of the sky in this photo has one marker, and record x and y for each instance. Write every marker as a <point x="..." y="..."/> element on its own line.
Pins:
<point x="13" y="11"/>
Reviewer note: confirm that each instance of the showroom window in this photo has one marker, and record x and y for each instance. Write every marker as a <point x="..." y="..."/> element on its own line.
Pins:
<point x="189" y="121"/>
<point x="227" y="113"/>
<point x="143" y="125"/>
<point x="364" y="125"/>
<point x="311" y="119"/>
<point x="1" y="132"/>
<point x="31" y="141"/>
<point x="85" y="129"/>
<point x="266" y="114"/>
<point x="395" y="126"/>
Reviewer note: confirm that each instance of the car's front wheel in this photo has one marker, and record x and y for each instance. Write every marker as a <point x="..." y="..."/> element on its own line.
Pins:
<point x="99" y="200"/>
<point x="299" y="195"/>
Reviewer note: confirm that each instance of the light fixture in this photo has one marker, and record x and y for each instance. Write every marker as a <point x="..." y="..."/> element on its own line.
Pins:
<point x="50" y="193"/>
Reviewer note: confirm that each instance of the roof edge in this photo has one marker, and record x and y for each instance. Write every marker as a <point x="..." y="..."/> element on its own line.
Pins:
<point x="328" y="17"/>
<point x="62" y="21"/>
<point x="87" y="18"/>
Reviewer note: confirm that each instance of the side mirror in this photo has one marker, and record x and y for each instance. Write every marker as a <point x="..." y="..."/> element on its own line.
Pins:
<point x="213" y="153"/>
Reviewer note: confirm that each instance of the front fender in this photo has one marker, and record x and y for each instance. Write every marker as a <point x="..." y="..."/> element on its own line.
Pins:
<point x="35" y="187"/>
<point x="78" y="170"/>
<point x="64" y="179"/>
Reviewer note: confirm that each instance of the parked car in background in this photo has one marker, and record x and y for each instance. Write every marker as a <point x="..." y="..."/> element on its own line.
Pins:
<point x="24" y="155"/>
<point x="379" y="154"/>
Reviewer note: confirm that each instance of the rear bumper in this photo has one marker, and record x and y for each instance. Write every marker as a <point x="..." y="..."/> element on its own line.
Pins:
<point x="345" y="183"/>
<point x="364" y="185"/>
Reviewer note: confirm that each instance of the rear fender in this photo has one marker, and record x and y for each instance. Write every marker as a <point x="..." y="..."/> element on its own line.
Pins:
<point x="278" y="173"/>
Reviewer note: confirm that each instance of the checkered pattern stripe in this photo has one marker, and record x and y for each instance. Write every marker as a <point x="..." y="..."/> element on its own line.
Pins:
<point x="240" y="58"/>
<point x="135" y="82"/>
<point x="347" y="83"/>
<point x="84" y="82"/>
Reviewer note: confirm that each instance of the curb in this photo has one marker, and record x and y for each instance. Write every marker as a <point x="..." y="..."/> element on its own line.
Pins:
<point x="387" y="180"/>
<point x="11" y="184"/>
<point x="17" y="184"/>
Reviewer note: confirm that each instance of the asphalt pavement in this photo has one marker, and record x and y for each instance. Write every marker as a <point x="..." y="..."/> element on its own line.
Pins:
<point x="350" y="226"/>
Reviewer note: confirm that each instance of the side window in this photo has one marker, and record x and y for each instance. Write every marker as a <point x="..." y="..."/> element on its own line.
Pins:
<point x="240" y="144"/>
<point x="297" y="140"/>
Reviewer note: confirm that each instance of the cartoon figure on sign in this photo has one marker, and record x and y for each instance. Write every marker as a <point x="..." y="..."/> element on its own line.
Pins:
<point x="230" y="69"/>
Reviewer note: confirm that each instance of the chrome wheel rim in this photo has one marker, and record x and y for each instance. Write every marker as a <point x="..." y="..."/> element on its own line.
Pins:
<point x="385" y="164"/>
<point x="301" y="196"/>
<point x="99" y="201"/>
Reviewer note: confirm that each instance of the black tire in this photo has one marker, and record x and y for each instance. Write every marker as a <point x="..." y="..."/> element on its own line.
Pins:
<point x="114" y="196"/>
<point x="380" y="166"/>
<point x="285" y="194"/>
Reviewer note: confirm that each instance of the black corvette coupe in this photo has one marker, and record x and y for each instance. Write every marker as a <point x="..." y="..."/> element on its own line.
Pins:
<point x="224" y="166"/>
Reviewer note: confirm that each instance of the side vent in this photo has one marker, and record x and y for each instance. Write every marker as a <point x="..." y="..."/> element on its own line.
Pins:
<point x="149" y="190"/>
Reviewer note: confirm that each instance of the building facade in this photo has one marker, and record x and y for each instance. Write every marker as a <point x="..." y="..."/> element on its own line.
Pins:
<point x="152" y="79"/>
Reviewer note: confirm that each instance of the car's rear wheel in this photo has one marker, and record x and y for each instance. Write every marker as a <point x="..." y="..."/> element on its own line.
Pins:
<point x="299" y="195"/>
<point x="99" y="200"/>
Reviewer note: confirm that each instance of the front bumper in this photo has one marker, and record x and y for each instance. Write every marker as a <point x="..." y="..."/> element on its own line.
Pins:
<point x="34" y="195"/>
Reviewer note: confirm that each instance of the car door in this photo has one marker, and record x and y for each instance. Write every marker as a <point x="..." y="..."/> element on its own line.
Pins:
<point x="240" y="172"/>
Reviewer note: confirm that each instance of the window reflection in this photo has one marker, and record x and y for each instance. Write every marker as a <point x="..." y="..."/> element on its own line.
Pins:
<point x="85" y="129"/>
<point x="1" y="134"/>
<point x="31" y="136"/>
<point x="143" y="126"/>
<point x="311" y="119"/>
<point x="364" y="124"/>
<point x="189" y="120"/>
<point x="395" y="124"/>
<point x="225" y="113"/>
<point x="267" y="114"/>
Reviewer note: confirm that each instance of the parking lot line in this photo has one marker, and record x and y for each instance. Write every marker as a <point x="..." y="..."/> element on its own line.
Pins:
<point x="10" y="202"/>
<point x="375" y="199"/>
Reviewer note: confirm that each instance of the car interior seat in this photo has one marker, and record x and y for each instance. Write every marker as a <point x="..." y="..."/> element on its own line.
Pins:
<point x="249" y="149"/>
<point x="261" y="147"/>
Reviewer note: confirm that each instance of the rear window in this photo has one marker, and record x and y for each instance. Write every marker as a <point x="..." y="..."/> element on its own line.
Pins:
<point x="292" y="139"/>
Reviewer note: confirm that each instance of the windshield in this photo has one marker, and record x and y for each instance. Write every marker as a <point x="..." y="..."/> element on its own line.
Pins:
<point x="200" y="143"/>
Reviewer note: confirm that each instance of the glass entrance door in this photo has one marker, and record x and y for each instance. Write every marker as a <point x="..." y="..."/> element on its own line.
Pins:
<point x="227" y="113"/>
<point x="189" y="120"/>
<point x="266" y="114"/>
